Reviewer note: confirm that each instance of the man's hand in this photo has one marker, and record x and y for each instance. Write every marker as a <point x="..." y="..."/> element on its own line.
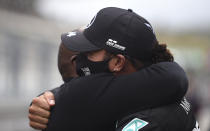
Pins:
<point x="39" y="111"/>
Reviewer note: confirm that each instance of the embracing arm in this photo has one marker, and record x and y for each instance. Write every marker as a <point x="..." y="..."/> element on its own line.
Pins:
<point x="157" y="85"/>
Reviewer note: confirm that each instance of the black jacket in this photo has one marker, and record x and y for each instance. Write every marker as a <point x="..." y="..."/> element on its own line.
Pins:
<point x="96" y="102"/>
<point x="172" y="117"/>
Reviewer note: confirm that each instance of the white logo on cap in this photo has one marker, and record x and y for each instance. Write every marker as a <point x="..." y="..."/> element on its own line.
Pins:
<point x="70" y="34"/>
<point x="113" y="43"/>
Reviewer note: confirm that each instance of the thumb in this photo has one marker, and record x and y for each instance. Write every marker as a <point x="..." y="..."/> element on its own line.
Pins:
<point x="50" y="98"/>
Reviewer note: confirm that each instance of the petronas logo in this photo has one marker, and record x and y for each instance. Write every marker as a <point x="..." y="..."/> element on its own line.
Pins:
<point x="135" y="125"/>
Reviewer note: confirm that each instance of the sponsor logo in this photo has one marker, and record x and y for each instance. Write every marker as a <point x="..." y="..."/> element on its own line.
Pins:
<point x="113" y="43"/>
<point x="185" y="105"/>
<point x="70" y="34"/>
<point x="135" y="125"/>
<point x="86" y="71"/>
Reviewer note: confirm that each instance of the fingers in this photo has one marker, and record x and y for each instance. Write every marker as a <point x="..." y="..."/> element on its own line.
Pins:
<point x="37" y="126"/>
<point x="41" y="102"/>
<point x="50" y="98"/>
<point x="39" y="111"/>
<point x="38" y="119"/>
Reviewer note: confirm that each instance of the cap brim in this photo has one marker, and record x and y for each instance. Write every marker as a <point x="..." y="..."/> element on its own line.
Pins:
<point x="76" y="41"/>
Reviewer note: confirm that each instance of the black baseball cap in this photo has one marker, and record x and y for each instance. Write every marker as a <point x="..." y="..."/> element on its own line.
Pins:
<point x="116" y="30"/>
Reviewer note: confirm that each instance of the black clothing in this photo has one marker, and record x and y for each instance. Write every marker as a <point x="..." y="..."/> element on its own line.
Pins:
<point x="173" y="117"/>
<point x="96" y="102"/>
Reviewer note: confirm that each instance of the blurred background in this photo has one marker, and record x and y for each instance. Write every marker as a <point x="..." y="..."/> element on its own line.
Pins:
<point x="30" y="35"/>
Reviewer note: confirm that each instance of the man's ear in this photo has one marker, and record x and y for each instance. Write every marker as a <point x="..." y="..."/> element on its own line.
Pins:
<point x="117" y="63"/>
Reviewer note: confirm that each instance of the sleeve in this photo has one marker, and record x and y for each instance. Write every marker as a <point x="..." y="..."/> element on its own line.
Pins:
<point x="55" y="91"/>
<point x="112" y="97"/>
<point x="157" y="85"/>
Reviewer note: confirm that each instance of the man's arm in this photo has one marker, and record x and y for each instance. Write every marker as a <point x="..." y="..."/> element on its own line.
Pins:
<point x="156" y="85"/>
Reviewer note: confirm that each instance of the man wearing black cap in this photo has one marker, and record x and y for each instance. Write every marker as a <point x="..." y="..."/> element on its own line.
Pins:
<point x="116" y="30"/>
<point x="123" y="39"/>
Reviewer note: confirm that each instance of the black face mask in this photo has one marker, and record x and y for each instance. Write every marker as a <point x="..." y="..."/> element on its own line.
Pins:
<point x="85" y="67"/>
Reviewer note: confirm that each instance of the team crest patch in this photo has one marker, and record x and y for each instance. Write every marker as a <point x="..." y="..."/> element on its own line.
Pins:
<point x="135" y="125"/>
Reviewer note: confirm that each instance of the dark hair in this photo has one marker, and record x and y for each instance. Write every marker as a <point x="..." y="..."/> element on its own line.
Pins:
<point x="160" y="53"/>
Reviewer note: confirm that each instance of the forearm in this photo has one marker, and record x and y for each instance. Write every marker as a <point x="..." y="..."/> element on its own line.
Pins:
<point x="150" y="87"/>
